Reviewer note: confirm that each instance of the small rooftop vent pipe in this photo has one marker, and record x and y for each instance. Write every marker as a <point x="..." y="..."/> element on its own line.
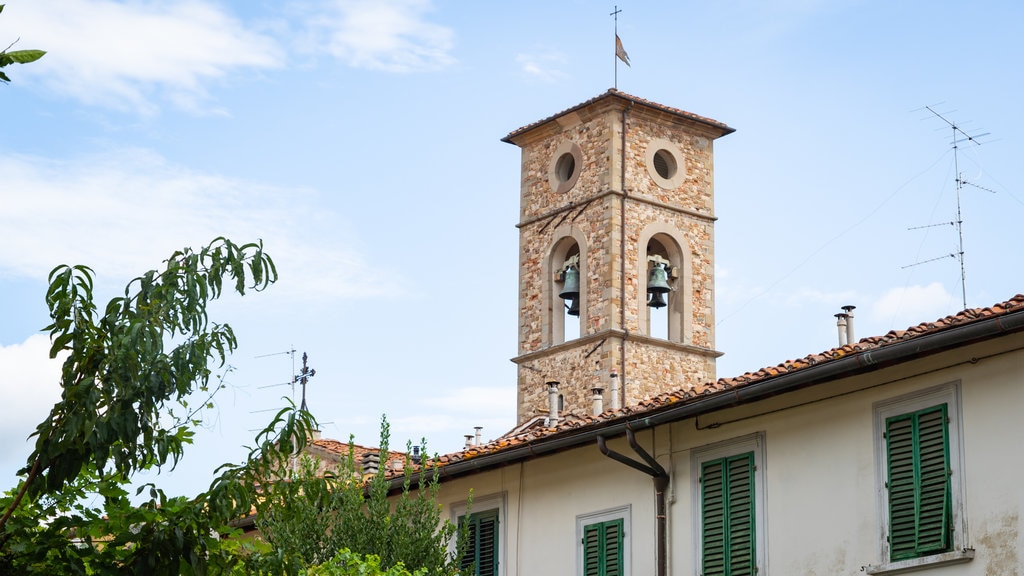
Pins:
<point x="597" y="401"/>
<point x="615" y="390"/>
<point x="848" y="309"/>
<point x="841" y="328"/>
<point x="552" y="404"/>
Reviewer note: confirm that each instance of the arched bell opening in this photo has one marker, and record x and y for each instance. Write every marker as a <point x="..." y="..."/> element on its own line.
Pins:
<point x="659" y="274"/>
<point x="567" y="300"/>
<point x="663" y="297"/>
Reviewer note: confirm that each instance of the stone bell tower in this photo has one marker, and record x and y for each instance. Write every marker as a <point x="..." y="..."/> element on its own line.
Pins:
<point x="616" y="254"/>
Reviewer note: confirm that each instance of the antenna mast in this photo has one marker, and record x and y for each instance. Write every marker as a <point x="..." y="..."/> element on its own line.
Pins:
<point x="958" y="136"/>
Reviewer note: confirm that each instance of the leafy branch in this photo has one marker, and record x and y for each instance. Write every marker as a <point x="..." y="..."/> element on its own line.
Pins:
<point x="118" y="374"/>
<point x="8" y="57"/>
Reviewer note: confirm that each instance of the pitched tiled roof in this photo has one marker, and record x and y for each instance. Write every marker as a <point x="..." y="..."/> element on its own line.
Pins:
<point x="335" y="451"/>
<point x="612" y="92"/>
<point x="729" y="386"/>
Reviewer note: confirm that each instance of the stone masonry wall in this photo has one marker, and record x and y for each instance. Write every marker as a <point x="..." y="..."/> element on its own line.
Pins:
<point x="590" y="212"/>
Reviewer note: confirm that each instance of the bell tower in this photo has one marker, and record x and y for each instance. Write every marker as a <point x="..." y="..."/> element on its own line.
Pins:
<point x="616" y="254"/>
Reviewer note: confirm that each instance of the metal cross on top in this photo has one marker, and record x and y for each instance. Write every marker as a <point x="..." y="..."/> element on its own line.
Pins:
<point x="302" y="378"/>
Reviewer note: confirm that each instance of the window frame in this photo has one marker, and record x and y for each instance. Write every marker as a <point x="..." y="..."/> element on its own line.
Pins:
<point x="751" y="443"/>
<point x="906" y="405"/>
<point x="583" y="521"/>
<point x="484" y="505"/>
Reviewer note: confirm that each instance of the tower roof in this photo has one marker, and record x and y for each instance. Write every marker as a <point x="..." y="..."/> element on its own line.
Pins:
<point x="617" y="99"/>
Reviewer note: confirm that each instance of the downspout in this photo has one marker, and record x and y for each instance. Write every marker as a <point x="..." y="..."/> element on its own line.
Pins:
<point x="622" y="261"/>
<point x="661" y="481"/>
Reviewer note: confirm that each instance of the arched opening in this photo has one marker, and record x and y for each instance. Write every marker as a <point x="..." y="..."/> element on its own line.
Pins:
<point x="665" y="285"/>
<point x="660" y="277"/>
<point x="567" y="300"/>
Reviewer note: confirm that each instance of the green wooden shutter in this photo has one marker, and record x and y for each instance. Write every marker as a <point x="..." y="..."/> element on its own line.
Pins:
<point x="602" y="548"/>
<point x="727" y="516"/>
<point x="482" y="550"/>
<point x="920" y="500"/>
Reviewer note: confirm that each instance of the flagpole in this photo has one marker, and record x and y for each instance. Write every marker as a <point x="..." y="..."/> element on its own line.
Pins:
<point x="615" y="56"/>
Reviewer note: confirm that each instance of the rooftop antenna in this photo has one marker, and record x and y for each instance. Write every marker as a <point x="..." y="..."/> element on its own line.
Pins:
<point x="959" y="136"/>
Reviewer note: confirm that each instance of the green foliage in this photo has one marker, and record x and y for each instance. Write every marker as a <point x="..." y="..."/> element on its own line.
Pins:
<point x="309" y="515"/>
<point x="346" y="563"/>
<point x="16" y="57"/>
<point x="123" y="370"/>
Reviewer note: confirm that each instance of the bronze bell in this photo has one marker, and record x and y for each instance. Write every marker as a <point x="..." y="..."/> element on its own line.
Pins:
<point x="657" y="286"/>
<point x="571" y="288"/>
<point x="657" y="300"/>
<point x="573" y="307"/>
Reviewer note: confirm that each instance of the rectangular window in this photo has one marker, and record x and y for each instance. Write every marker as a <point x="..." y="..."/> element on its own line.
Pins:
<point x="727" y="516"/>
<point x="602" y="548"/>
<point x="482" y="546"/>
<point x="920" y="508"/>
<point x="728" y="491"/>
<point x="603" y="542"/>
<point x="918" y="450"/>
<point x="486" y="544"/>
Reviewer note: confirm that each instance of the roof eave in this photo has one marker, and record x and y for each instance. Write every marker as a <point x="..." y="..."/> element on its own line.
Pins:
<point x="715" y="126"/>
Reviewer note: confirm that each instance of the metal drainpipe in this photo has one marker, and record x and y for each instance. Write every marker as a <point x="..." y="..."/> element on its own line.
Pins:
<point x="661" y="480"/>
<point x="622" y="259"/>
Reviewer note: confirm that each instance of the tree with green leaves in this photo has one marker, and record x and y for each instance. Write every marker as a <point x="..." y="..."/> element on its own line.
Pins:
<point x="8" y="56"/>
<point x="309" y="515"/>
<point x="125" y="367"/>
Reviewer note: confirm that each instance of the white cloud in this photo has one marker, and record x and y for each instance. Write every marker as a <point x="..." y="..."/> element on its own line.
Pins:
<point x="901" y="308"/>
<point x="130" y="55"/>
<point x="30" y="385"/>
<point x="122" y="212"/>
<point x="545" y="67"/>
<point x="389" y="35"/>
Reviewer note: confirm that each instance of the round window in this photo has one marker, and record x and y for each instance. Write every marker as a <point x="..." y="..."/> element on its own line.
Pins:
<point x="665" y="163"/>
<point x="564" y="169"/>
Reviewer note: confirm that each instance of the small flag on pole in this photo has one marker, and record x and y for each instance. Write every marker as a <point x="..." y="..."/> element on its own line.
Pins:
<point x="620" y="51"/>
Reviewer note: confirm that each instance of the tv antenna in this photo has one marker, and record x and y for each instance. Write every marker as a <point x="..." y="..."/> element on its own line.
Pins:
<point x="959" y="136"/>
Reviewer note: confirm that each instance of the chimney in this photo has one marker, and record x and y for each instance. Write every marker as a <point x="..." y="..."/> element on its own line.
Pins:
<point x="552" y="404"/>
<point x="371" y="463"/>
<point x="469" y="440"/>
<point x="849" y="324"/>
<point x="478" y="429"/>
<point x="841" y="327"/>
<point x="615" y="390"/>
<point x="415" y="454"/>
<point x="597" y="406"/>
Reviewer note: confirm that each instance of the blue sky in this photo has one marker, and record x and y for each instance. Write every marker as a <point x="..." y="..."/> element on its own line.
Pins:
<point x="360" y="140"/>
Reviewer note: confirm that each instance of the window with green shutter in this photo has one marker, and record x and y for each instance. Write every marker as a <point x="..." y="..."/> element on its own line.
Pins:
<point x="482" y="545"/>
<point x="602" y="548"/>
<point x="728" y="539"/>
<point x="919" y="492"/>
